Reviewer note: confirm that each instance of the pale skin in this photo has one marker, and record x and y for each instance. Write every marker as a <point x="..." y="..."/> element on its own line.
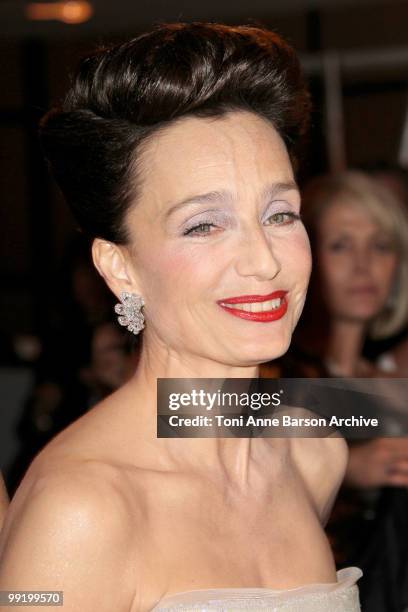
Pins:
<point x="357" y="265"/>
<point x="114" y="516"/>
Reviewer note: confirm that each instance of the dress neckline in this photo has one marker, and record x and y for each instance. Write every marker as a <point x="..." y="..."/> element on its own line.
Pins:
<point x="346" y="577"/>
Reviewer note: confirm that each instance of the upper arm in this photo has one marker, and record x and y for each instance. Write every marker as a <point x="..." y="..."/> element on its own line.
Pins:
<point x="68" y="534"/>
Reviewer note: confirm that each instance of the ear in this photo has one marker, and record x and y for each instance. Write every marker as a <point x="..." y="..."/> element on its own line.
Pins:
<point x="113" y="264"/>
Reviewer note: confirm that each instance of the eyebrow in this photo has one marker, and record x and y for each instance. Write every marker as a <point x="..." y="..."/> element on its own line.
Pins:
<point x="226" y="197"/>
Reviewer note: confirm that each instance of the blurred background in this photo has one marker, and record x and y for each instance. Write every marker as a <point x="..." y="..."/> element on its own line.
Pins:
<point x="61" y="349"/>
<point x="356" y="57"/>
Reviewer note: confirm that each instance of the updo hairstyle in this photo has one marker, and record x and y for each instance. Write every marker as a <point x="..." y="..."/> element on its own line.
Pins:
<point x="123" y="94"/>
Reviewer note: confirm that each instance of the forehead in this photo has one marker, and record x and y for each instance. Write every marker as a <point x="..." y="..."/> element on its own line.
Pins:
<point x="239" y="151"/>
<point x="348" y="214"/>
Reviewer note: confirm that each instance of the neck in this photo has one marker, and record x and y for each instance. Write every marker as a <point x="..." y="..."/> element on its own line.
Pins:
<point x="230" y="460"/>
<point x="345" y="346"/>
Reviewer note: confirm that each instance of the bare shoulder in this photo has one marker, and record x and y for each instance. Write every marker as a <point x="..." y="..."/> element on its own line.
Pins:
<point x="326" y="454"/>
<point x="69" y="528"/>
<point x="322" y="464"/>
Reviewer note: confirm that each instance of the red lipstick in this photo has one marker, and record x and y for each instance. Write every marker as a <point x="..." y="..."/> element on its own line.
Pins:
<point x="261" y="317"/>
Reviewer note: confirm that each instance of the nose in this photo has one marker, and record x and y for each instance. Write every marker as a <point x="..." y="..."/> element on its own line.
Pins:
<point x="256" y="256"/>
<point x="362" y="259"/>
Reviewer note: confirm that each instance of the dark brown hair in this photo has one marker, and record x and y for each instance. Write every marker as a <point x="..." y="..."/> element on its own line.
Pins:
<point x="123" y="94"/>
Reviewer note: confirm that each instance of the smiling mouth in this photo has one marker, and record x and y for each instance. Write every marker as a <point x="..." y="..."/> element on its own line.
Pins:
<point x="266" y="306"/>
<point x="256" y="307"/>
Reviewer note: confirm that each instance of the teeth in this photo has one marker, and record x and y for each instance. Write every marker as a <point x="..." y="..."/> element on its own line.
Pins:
<point x="257" y="306"/>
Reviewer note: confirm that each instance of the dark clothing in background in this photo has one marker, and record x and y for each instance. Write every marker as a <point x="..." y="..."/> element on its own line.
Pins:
<point x="58" y="396"/>
<point x="367" y="531"/>
<point x="384" y="586"/>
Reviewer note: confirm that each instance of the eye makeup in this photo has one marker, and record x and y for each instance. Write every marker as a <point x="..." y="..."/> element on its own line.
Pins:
<point x="208" y="217"/>
<point x="283" y="218"/>
<point x="280" y="206"/>
<point x="282" y="212"/>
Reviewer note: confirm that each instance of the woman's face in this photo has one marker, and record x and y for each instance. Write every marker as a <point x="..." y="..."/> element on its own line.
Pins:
<point x="356" y="260"/>
<point x="217" y="219"/>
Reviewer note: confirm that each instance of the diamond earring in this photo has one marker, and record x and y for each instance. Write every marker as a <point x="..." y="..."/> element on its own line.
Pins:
<point x="130" y="312"/>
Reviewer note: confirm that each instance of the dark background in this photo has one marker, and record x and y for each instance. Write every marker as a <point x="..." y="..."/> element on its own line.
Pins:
<point x="355" y="54"/>
<point x="37" y="59"/>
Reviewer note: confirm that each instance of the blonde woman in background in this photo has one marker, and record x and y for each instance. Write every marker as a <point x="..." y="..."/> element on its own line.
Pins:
<point x="359" y="290"/>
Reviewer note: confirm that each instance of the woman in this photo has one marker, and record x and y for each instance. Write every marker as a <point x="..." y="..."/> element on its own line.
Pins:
<point x="173" y="151"/>
<point x="359" y="237"/>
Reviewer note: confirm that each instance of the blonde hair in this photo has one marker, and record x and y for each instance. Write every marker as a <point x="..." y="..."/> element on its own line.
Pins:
<point x="390" y="214"/>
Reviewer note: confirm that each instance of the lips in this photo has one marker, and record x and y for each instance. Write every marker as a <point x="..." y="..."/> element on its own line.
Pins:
<point x="368" y="289"/>
<point x="248" y="299"/>
<point x="276" y="307"/>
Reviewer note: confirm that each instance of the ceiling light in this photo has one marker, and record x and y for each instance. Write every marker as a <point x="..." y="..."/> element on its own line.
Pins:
<point x="71" y="11"/>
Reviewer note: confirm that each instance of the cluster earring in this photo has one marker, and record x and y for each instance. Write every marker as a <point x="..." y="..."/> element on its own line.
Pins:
<point x="130" y="311"/>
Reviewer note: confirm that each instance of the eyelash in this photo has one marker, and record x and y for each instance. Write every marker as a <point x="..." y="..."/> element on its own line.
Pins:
<point x="192" y="230"/>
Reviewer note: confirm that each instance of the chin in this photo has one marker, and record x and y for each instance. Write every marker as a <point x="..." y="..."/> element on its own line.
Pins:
<point x="262" y="352"/>
<point x="363" y="316"/>
<point x="363" y="311"/>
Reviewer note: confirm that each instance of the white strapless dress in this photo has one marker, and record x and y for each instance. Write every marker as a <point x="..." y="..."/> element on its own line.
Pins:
<point x="340" y="596"/>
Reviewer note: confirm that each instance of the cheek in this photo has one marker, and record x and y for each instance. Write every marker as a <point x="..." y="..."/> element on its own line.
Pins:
<point x="177" y="277"/>
<point x="296" y="258"/>
<point x="333" y="273"/>
<point x="385" y="272"/>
